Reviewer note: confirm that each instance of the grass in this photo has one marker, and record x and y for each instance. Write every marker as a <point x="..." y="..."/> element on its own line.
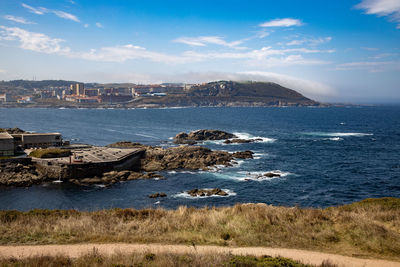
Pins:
<point x="150" y="259"/>
<point x="50" y="153"/>
<point x="369" y="228"/>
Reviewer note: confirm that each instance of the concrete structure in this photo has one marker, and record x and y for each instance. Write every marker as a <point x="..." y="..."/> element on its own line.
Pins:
<point x="6" y="145"/>
<point x="37" y="140"/>
<point x="90" y="161"/>
<point x="78" y="89"/>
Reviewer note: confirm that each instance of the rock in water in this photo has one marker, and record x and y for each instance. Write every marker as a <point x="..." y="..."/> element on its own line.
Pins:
<point x="241" y="141"/>
<point x="202" y="135"/>
<point x="243" y="154"/>
<point x="206" y="192"/>
<point x="157" y="195"/>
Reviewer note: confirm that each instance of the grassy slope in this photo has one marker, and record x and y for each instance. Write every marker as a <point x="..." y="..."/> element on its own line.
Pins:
<point x="367" y="228"/>
<point x="150" y="259"/>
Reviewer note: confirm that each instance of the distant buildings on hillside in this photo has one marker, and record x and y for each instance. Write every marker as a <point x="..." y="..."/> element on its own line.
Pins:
<point x="78" y="93"/>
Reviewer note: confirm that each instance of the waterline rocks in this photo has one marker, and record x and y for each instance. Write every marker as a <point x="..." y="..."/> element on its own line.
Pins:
<point x="243" y="154"/>
<point x="242" y="141"/>
<point x="16" y="174"/>
<point x="113" y="177"/>
<point x="157" y="195"/>
<point x="201" y="135"/>
<point x="207" y="192"/>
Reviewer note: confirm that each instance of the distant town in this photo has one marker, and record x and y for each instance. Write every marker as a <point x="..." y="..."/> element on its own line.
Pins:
<point x="72" y="94"/>
<point x="79" y="93"/>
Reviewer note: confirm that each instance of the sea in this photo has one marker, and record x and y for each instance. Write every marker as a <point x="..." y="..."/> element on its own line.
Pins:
<point x="325" y="156"/>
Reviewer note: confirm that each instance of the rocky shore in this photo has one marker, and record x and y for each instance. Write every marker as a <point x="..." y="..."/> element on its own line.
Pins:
<point x="154" y="160"/>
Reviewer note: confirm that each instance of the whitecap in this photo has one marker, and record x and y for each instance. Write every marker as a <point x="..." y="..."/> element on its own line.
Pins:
<point x="335" y="139"/>
<point x="146" y="135"/>
<point x="251" y="176"/>
<point x="338" y="134"/>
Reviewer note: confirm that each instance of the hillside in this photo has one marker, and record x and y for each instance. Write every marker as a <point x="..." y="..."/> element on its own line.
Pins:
<point x="230" y="93"/>
<point x="219" y="93"/>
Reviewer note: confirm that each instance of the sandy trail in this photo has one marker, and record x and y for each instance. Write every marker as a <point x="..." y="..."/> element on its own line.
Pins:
<point x="76" y="250"/>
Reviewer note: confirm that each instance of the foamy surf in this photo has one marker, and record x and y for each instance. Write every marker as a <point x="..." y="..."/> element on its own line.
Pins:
<point x="244" y="176"/>
<point x="248" y="136"/>
<point x="335" y="139"/>
<point x="187" y="196"/>
<point x="339" y="134"/>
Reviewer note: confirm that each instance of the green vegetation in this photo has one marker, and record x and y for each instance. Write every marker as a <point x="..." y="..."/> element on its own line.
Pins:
<point x="368" y="228"/>
<point x="150" y="259"/>
<point x="50" y="153"/>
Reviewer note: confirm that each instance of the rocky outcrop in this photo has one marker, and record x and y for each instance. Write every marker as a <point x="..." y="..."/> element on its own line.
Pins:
<point x="16" y="174"/>
<point x="184" y="157"/>
<point x="241" y="141"/>
<point x="207" y="192"/>
<point x="201" y="135"/>
<point x="113" y="177"/>
<point x="12" y="130"/>
<point x="157" y="195"/>
<point x="243" y="154"/>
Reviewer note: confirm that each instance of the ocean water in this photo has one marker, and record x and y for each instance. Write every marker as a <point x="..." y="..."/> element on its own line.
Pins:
<point x="326" y="156"/>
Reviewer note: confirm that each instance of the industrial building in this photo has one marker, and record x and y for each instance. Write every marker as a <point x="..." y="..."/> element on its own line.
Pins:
<point x="6" y="145"/>
<point x="37" y="140"/>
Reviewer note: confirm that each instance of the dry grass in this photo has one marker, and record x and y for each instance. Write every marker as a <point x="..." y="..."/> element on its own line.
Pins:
<point x="368" y="228"/>
<point x="50" y="153"/>
<point x="150" y="259"/>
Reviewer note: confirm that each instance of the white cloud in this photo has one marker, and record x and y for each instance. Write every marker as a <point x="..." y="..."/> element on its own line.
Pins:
<point x="389" y="8"/>
<point x="99" y="25"/>
<point x="128" y="52"/>
<point x="265" y="57"/>
<point x="371" y="66"/>
<point x="86" y="25"/>
<point x="33" y="41"/>
<point x="37" y="11"/>
<point x="65" y="15"/>
<point x="287" y="22"/>
<point x="262" y="34"/>
<point x="58" y="13"/>
<point x="204" y="40"/>
<point x="383" y="55"/>
<point x="17" y="19"/>
<point x="310" y="41"/>
<point x="370" y="48"/>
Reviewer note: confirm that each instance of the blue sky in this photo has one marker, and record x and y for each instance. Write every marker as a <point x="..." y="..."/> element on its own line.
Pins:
<point x="341" y="50"/>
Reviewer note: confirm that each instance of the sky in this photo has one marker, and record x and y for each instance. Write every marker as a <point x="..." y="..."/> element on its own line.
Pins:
<point x="332" y="51"/>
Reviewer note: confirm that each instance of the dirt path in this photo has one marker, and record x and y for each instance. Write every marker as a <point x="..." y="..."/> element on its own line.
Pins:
<point x="77" y="250"/>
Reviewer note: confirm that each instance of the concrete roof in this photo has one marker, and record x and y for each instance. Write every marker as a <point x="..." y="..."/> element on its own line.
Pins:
<point x="5" y="136"/>
<point x="37" y="134"/>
